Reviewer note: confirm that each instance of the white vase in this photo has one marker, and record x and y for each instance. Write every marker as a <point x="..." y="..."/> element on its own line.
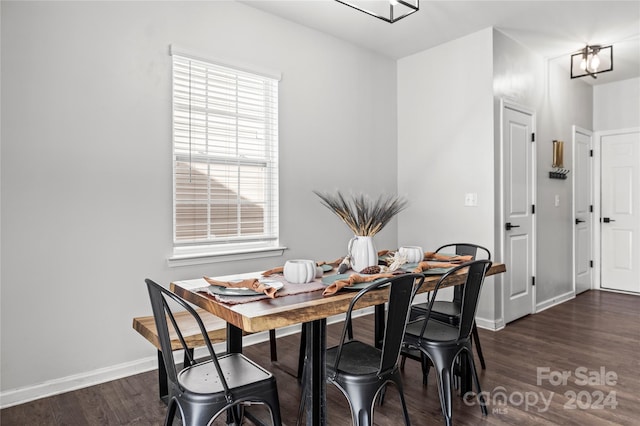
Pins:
<point x="362" y="252"/>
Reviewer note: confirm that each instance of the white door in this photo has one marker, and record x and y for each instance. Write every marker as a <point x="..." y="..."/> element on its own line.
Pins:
<point x="518" y="150"/>
<point x="582" y="209"/>
<point x="620" y="211"/>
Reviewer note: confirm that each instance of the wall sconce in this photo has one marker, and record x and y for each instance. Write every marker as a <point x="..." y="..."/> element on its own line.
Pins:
<point x="559" y="171"/>
<point x="387" y="10"/>
<point x="558" y="153"/>
<point x="592" y="60"/>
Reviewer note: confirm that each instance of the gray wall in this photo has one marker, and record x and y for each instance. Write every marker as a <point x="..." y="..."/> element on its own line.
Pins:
<point x="616" y="105"/>
<point x="445" y="146"/>
<point x="86" y="165"/>
<point x="448" y="135"/>
<point x="526" y="78"/>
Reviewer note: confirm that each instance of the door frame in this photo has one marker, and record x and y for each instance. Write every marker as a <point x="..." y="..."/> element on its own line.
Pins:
<point x="505" y="103"/>
<point x="576" y="129"/>
<point x="597" y="204"/>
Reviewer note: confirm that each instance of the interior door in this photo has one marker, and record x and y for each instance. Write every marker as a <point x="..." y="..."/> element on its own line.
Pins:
<point x="620" y="211"/>
<point x="582" y="209"/>
<point x="518" y="149"/>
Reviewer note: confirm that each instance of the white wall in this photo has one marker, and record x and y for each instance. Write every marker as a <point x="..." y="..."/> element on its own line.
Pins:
<point x="445" y="145"/>
<point x="86" y="165"/>
<point x="616" y="105"/>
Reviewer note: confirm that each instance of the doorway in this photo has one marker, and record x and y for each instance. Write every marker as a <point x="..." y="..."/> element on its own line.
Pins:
<point x="582" y="209"/>
<point x="620" y="210"/>
<point x="518" y="200"/>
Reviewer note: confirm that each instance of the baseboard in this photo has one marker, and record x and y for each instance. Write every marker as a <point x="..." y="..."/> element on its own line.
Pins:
<point x="487" y="324"/>
<point x="613" y="290"/>
<point x="90" y="378"/>
<point x="77" y="381"/>
<point x="555" y="301"/>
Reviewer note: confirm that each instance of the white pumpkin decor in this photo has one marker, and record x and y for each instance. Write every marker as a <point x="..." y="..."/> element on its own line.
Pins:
<point x="299" y="271"/>
<point x="413" y="254"/>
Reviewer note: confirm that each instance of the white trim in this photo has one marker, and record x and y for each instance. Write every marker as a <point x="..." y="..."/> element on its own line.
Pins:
<point x="597" y="205"/>
<point x="575" y="130"/>
<point x="18" y="396"/>
<point x="178" y="50"/>
<point x="189" y="259"/>
<point x="487" y="324"/>
<point x="77" y="381"/>
<point x="555" y="301"/>
<point x="506" y="103"/>
<point x="613" y="290"/>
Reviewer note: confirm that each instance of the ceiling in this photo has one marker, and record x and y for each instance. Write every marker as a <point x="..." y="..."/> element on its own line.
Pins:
<point x="553" y="29"/>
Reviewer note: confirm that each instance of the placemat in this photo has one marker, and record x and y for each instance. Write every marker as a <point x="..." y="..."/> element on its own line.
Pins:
<point x="286" y="290"/>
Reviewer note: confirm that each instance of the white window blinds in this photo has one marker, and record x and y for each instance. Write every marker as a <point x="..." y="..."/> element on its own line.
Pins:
<point x="225" y="148"/>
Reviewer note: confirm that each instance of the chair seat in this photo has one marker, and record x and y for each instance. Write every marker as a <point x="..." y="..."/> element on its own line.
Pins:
<point x="357" y="358"/>
<point x="436" y="331"/>
<point x="203" y="378"/>
<point x="446" y="308"/>
<point x="441" y="308"/>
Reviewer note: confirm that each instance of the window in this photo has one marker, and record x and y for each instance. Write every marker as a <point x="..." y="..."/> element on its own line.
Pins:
<point x="225" y="158"/>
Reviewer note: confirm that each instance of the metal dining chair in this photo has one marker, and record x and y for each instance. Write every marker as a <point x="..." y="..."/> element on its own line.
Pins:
<point x="445" y="344"/>
<point x="215" y="385"/>
<point x="448" y="311"/>
<point x="360" y="370"/>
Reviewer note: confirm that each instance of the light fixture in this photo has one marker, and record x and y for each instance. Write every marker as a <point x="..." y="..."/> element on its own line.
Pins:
<point x="387" y="10"/>
<point x="592" y="60"/>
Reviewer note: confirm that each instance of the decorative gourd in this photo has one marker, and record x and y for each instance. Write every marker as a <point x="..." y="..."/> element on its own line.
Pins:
<point x="299" y="271"/>
<point x="413" y="254"/>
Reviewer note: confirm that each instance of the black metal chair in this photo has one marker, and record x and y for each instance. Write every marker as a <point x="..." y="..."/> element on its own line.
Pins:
<point x="449" y="311"/>
<point x="361" y="371"/>
<point x="214" y="386"/>
<point x="444" y="344"/>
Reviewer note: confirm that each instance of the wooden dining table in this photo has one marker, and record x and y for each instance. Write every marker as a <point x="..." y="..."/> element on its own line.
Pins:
<point x="309" y="309"/>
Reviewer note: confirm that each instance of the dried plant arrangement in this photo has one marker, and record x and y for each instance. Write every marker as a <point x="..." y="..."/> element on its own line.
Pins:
<point x="363" y="215"/>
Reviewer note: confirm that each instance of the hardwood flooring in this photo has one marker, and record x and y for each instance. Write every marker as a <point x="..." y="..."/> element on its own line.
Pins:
<point x="594" y="340"/>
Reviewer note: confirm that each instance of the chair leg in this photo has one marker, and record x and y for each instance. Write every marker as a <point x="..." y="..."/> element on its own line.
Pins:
<point x="361" y="409"/>
<point x="405" y="411"/>
<point x="171" y="413"/>
<point x="403" y="360"/>
<point x="474" y="374"/>
<point x="273" y="345"/>
<point x="163" y="386"/>
<point x="476" y="342"/>
<point x="424" y="361"/>
<point x="444" y="390"/>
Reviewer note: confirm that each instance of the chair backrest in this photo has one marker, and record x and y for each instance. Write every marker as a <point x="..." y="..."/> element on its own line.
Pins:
<point x="402" y="289"/>
<point x="464" y="249"/>
<point x="162" y="312"/>
<point x="477" y="270"/>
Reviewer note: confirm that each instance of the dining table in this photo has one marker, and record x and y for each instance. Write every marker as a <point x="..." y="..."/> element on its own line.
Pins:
<point x="309" y="308"/>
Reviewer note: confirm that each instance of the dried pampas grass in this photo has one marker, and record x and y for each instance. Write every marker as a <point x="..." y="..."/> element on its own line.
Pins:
<point x="364" y="216"/>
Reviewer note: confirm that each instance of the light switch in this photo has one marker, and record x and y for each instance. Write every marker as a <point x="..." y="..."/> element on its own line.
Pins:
<point x="557" y="200"/>
<point x="471" y="199"/>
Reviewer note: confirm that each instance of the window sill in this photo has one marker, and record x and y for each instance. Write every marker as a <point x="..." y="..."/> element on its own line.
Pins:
<point x="188" y="259"/>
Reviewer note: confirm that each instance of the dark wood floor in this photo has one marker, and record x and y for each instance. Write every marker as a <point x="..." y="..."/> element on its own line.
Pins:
<point x="598" y="332"/>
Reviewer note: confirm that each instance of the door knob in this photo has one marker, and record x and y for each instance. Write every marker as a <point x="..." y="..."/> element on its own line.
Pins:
<point x="579" y="221"/>
<point x="607" y="220"/>
<point x="508" y="226"/>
